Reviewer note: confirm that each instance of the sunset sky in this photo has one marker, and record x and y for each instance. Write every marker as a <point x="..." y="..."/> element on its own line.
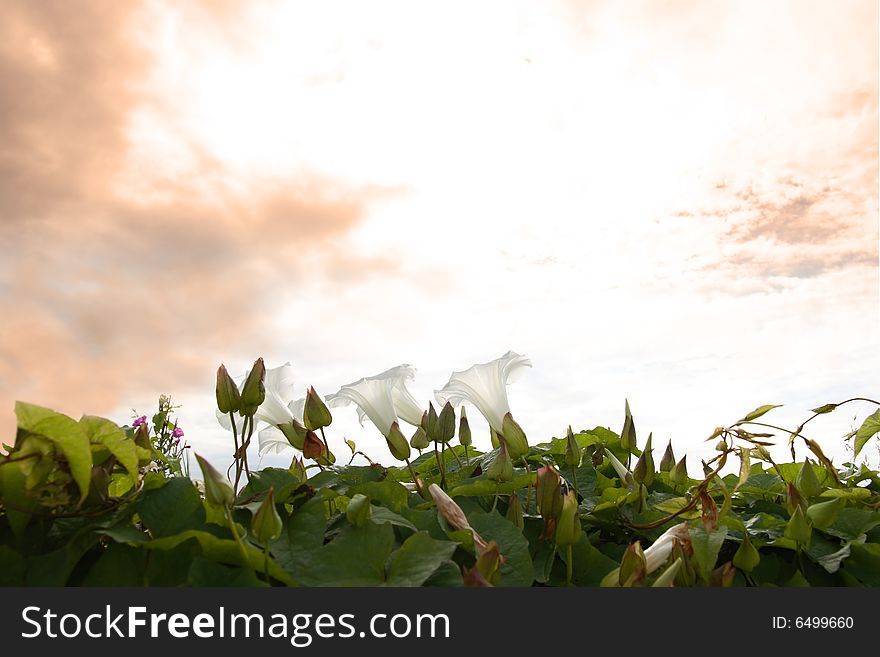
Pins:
<point x="670" y="202"/>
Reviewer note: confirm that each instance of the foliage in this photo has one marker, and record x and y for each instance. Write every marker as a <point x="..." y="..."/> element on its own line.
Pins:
<point x="88" y="502"/>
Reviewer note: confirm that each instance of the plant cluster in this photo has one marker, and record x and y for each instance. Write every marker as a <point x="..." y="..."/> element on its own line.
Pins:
<point x="88" y="502"/>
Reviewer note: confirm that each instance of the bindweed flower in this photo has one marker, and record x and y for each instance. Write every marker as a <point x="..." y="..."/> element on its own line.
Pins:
<point x="658" y="553"/>
<point x="485" y="386"/>
<point x="138" y="422"/>
<point x="374" y="397"/>
<point x="177" y="433"/>
<point x="404" y="405"/>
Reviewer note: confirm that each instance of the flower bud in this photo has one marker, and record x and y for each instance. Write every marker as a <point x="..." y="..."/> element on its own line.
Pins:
<point x="633" y="566"/>
<point x="489" y="563"/>
<point x="397" y="443"/>
<point x="628" y="433"/>
<point x="548" y="492"/>
<point x="453" y="515"/>
<point x="679" y="473"/>
<point x="419" y="439"/>
<point x="807" y="482"/>
<point x="424" y="421"/>
<point x="298" y="468"/>
<point x="746" y="557"/>
<point x="515" y="512"/>
<point x="667" y="578"/>
<point x="723" y="575"/>
<point x="517" y="444"/>
<point x="568" y="528"/>
<point x="721" y="445"/>
<point x="624" y="474"/>
<point x="823" y="514"/>
<point x="228" y="396"/>
<point x="432" y="428"/>
<point x="316" y="415"/>
<point x="501" y="468"/>
<point x="218" y="491"/>
<point x="294" y="432"/>
<point x="266" y="523"/>
<point x="643" y="473"/>
<point x="495" y="438"/>
<point x="446" y="424"/>
<point x="798" y="528"/>
<point x="668" y="460"/>
<point x="794" y="499"/>
<point x="464" y="429"/>
<point x="359" y="510"/>
<point x="253" y="392"/>
<point x="573" y="452"/>
<point x="313" y="448"/>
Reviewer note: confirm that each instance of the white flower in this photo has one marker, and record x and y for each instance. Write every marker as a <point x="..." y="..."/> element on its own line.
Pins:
<point x="371" y="392"/>
<point x="658" y="553"/>
<point x="373" y="398"/>
<point x="277" y="408"/>
<point x="485" y="386"/>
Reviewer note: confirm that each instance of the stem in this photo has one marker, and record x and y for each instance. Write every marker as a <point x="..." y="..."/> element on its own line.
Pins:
<point x="235" y="535"/>
<point x="574" y="480"/>
<point x="326" y="446"/>
<point x="440" y="467"/>
<point x="266" y="560"/>
<point x="236" y="456"/>
<point x="569" y="566"/>
<point x="457" y="460"/>
<point x="529" y="489"/>
<point x="246" y="443"/>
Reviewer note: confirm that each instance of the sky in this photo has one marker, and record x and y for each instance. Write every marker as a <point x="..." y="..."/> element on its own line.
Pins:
<point x="674" y="203"/>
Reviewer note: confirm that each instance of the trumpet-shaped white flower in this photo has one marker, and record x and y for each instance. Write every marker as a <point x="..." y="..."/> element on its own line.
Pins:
<point x="658" y="553"/>
<point x="485" y="386"/>
<point x="373" y="398"/>
<point x="277" y="408"/>
<point x="371" y="391"/>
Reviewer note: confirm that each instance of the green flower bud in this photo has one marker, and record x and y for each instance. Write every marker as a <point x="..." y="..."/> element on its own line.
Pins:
<point x="446" y="424"/>
<point x="464" y="429"/>
<point x="746" y="557"/>
<point x="359" y="510"/>
<point x="494" y="438"/>
<point x="218" y="490"/>
<point x="228" y="396"/>
<point x="573" y="452"/>
<point x="667" y="579"/>
<point x="644" y="470"/>
<point x="397" y="443"/>
<point x="424" y="422"/>
<point x="568" y="528"/>
<point x="298" y="468"/>
<point x="313" y="447"/>
<point x="548" y="492"/>
<point x="628" y="433"/>
<point x="823" y="514"/>
<point x="807" y="482"/>
<point x="316" y="415"/>
<point x="794" y="499"/>
<point x="633" y="566"/>
<point x="798" y="528"/>
<point x="294" y="432"/>
<point x="515" y="512"/>
<point x="679" y="473"/>
<point x="668" y="460"/>
<point x="253" y="392"/>
<point x="419" y="439"/>
<point x="432" y="428"/>
<point x="517" y="444"/>
<point x="723" y="575"/>
<point x="501" y="468"/>
<point x="489" y="563"/>
<point x="266" y="523"/>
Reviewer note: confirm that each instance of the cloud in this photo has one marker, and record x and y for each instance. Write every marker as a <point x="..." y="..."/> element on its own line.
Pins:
<point x="125" y="273"/>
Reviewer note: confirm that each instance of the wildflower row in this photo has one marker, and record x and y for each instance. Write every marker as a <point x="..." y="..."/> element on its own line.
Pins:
<point x="89" y="502"/>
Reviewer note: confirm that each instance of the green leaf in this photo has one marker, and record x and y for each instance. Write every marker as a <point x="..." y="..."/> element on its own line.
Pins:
<point x="824" y="408"/>
<point x="104" y="432"/>
<point x="13" y="491"/>
<point x="388" y="492"/>
<point x="173" y="508"/>
<point x="864" y="563"/>
<point x="851" y="523"/>
<point x="518" y="569"/>
<point x="119" y="565"/>
<point x="869" y="428"/>
<point x="847" y="493"/>
<point x="417" y="559"/>
<point x="303" y="533"/>
<point x="585" y="475"/>
<point x="65" y="433"/>
<point x="589" y="566"/>
<point x="282" y="480"/>
<point x="482" y="485"/>
<point x="203" y="572"/>
<point x="12" y="567"/>
<point x="758" y="412"/>
<point x="706" y="546"/>
<point x="356" y="557"/>
<point x="224" y="550"/>
<point x="380" y="514"/>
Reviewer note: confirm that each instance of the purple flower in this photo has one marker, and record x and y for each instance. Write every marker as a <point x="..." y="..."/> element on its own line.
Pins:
<point x="177" y="433"/>
<point x="139" y="421"/>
